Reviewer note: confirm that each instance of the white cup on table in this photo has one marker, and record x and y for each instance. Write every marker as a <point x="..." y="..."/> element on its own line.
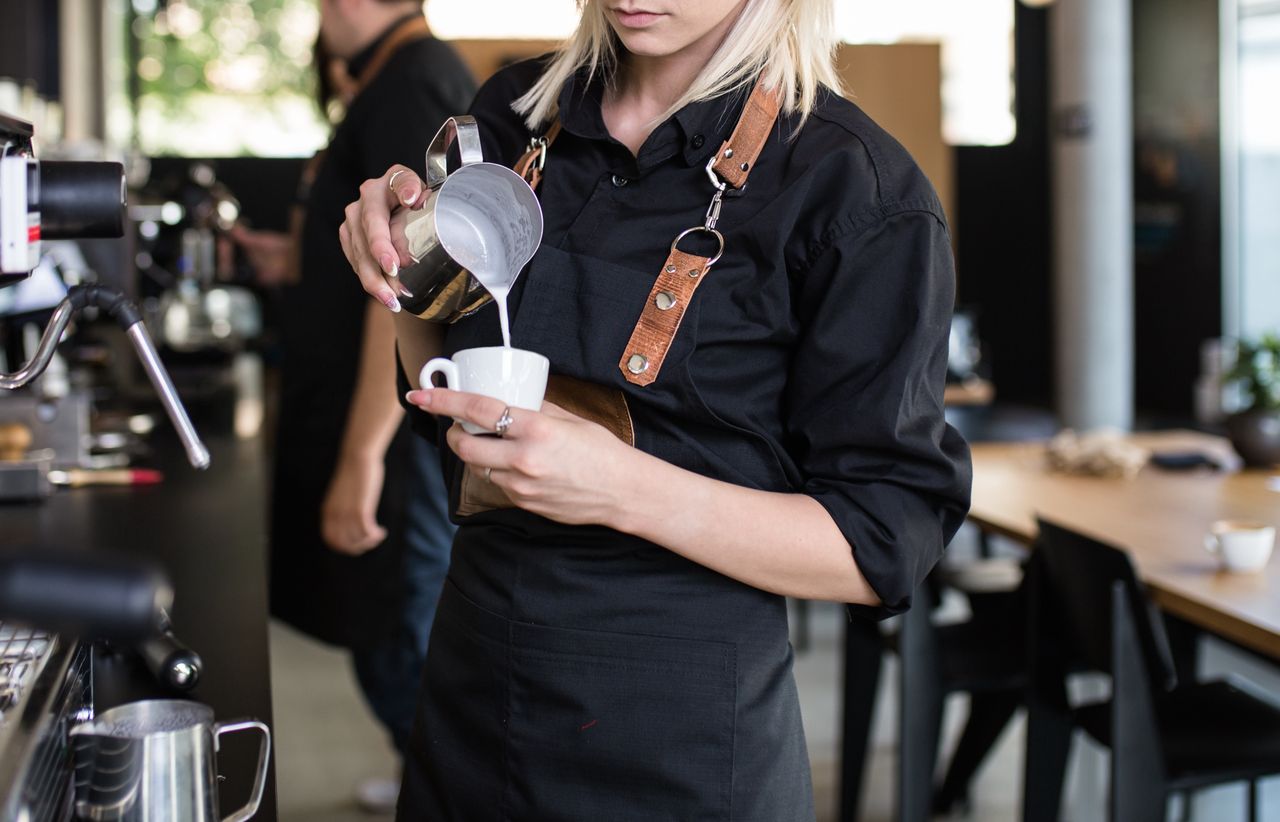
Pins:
<point x="513" y="375"/>
<point x="1241" y="546"/>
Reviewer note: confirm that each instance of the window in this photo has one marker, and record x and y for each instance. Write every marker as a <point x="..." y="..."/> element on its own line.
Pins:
<point x="225" y="77"/>
<point x="1258" y="138"/>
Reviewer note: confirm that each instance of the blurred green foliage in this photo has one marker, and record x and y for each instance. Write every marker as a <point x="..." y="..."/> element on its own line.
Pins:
<point x="237" y="70"/>
<point x="1257" y="372"/>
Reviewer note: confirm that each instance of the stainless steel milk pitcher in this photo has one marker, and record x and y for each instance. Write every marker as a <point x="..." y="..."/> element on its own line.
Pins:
<point x="481" y="218"/>
<point x="155" y="761"/>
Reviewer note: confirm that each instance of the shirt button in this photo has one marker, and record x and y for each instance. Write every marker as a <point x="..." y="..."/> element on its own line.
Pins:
<point x="619" y="180"/>
<point x="697" y="141"/>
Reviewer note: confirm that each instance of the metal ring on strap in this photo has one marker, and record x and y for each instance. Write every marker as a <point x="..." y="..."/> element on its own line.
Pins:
<point x="719" y="237"/>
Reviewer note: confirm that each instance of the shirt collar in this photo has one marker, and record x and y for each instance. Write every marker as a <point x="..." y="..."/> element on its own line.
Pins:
<point x="357" y="64"/>
<point x="695" y="132"/>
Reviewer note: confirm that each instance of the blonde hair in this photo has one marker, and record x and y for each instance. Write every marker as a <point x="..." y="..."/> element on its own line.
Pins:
<point x="796" y="63"/>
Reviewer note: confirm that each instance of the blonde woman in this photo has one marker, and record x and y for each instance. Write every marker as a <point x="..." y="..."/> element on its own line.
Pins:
<point x="612" y="640"/>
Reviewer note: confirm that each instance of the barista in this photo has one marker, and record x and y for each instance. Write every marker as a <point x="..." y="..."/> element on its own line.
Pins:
<point x="359" y="532"/>
<point x="612" y="639"/>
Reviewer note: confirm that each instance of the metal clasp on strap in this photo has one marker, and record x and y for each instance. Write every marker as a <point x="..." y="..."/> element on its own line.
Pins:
<point x="539" y="144"/>
<point x="713" y="210"/>
<point x="713" y="216"/>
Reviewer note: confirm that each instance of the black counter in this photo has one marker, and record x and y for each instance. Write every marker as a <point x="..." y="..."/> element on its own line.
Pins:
<point x="206" y="530"/>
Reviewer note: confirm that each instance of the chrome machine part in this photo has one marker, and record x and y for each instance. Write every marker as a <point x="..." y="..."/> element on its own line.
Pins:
<point x="197" y="454"/>
<point x="44" y="351"/>
<point x="114" y="303"/>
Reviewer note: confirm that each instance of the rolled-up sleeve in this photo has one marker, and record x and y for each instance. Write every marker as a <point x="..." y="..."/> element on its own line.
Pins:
<point x="864" y="405"/>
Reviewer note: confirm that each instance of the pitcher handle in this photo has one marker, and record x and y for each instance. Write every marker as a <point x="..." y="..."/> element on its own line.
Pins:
<point x="461" y="128"/>
<point x="264" y="757"/>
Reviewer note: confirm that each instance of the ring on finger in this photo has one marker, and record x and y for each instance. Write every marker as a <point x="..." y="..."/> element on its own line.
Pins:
<point x="391" y="184"/>
<point x="504" y="422"/>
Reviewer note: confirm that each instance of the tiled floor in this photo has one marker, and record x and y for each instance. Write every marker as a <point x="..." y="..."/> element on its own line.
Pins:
<point x="326" y="740"/>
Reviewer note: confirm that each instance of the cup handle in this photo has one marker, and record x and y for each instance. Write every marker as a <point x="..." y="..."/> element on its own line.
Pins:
<point x="440" y="365"/>
<point x="464" y="130"/>
<point x="1211" y="543"/>
<point x="264" y="757"/>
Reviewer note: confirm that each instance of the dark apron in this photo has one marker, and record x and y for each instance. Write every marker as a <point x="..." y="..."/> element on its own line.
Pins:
<point x="576" y="673"/>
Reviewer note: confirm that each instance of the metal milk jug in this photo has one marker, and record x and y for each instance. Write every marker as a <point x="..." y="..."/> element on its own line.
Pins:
<point x="480" y="225"/>
<point x="154" y="761"/>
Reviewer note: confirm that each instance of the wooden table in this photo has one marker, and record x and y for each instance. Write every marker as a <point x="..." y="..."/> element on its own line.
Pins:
<point x="1160" y="517"/>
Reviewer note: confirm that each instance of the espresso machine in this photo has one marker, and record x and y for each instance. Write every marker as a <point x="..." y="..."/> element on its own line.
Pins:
<point x="205" y="320"/>
<point x="53" y="605"/>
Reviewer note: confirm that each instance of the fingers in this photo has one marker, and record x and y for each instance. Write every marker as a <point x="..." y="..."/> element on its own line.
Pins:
<point x="240" y="234"/>
<point x="366" y="233"/>
<point x="406" y="187"/>
<point x="480" y="452"/>
<point x="348" y="534"/>
<point x="398" y="237"/>
<point x="354" y="244"/>
<point x="476" y="409"/>
<point x="376" y="202"/>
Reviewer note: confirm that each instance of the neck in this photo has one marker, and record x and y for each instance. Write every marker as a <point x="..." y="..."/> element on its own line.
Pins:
<point x="374" y="21"/>
<point x="654" y="83"/>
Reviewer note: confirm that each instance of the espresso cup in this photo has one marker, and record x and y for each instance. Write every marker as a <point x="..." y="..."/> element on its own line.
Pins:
<point x="1241" y="546"/>
<point x="515" y="376"/>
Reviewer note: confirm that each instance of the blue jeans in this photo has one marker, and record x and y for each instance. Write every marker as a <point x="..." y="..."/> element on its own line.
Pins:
<point x="389" y="670"/>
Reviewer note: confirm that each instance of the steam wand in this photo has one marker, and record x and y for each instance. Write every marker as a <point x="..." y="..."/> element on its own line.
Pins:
<point x="114" y="303"/>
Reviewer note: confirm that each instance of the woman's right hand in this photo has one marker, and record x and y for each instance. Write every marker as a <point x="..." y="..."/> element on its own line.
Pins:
<point x="373" y="236"/>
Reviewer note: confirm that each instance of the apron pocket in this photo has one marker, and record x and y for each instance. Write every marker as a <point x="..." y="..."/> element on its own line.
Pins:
<point x="619" y="726"/>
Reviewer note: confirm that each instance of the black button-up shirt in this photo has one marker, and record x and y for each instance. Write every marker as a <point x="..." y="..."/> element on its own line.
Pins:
<point x="812" y="360"/>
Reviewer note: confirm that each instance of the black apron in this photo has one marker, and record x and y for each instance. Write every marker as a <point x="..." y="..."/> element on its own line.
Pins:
<point x="576" y="673"/>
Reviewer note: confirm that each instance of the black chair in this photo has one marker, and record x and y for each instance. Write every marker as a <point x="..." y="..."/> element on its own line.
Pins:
<point x="982" y="657"/>
<point x="1165" y="736"/>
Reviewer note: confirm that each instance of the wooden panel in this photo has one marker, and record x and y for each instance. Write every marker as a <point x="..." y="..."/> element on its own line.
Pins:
<point x="1160" y="517"/>
<point x="484" y="57"/>
<point x="900" y="86"/>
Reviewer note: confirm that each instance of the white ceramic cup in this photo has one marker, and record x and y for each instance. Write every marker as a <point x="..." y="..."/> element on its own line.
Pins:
<point x="515" y="376"/>
<point x="1241" y="546"/>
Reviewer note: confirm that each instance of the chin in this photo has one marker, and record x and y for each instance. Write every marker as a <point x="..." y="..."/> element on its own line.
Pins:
<point x="647" y="43"/>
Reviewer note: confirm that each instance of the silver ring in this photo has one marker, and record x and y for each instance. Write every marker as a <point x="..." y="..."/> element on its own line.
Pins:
<point x="488" y="474"/>
<point x="391" y="184"/>
<point x="714" y="233"/>
<point x="504" y="422"/>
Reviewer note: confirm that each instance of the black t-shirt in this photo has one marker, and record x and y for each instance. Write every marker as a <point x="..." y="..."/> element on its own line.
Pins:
<point x="391" y="121"/>
<point x="338" y="598"/>
<point x="813" y="357"/>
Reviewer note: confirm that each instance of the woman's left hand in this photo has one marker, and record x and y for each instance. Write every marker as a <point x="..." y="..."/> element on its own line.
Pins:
<point x="551" y="463"/>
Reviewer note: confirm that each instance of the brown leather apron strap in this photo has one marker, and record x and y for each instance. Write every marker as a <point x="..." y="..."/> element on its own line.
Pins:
<point x="660" y="320"/>
<point x="531" y="163"/>
<point x="682" y="273"/>
<point x="407" y="32"/>
<point x="738" y="154"/>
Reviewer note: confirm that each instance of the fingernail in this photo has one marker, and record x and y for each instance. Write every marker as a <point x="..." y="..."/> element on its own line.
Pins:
<point x="404" y="292"/>
<point x="390" y="301"/>
<point x="419" y="397"/>
<point x="389" y="265"/>
<point x="406" y="199"/>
